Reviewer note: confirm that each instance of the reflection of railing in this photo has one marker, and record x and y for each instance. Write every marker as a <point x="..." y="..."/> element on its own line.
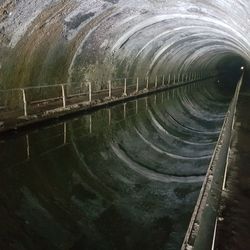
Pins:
<point x="59" y="135"/>
<point x="36" y="100"/>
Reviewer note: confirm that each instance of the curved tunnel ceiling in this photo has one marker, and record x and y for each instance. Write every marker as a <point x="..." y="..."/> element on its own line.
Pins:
<point x="59" y="41"/>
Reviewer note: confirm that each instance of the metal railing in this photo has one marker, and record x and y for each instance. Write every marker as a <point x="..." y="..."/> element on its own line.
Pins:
<point x="33" y="100"/>
<point x="201" y="232"/>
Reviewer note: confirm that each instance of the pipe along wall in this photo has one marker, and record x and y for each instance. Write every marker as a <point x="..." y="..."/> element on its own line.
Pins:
<point x="127" y="177"/>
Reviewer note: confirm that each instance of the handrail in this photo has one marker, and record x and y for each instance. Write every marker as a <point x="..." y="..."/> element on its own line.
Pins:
<point x="212" y="179"/>
<point x="22" y="103"/>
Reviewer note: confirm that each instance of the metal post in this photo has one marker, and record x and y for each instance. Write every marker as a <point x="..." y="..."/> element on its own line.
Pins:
<point x="163" y="80"/>
<point x="137" y="85"/>
<point x="90" y="92"/>
<point x="110" y="89"/>
<point x="147" y="83"/>
<point x="156" y="82"/>
<point x="169" y="79"/>
<point x="24" y="103"/>
<point x="174" y="79"/>
<point x="125" y="87"/>
<point x="178" y="78"/>
<point x="63" y="96"/>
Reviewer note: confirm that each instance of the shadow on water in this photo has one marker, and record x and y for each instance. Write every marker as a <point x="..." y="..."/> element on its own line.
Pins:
<point x="121" y="178"/>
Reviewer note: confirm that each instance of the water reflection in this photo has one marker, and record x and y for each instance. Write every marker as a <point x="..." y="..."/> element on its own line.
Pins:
<point x="125" y="177"/>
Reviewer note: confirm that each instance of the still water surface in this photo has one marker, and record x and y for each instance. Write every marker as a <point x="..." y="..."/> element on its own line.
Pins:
<point x="127" y="177"/>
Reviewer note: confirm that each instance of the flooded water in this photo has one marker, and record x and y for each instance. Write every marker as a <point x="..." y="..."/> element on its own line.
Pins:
<point x="126" y="177"/>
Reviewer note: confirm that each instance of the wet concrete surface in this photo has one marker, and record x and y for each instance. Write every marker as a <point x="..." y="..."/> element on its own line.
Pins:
<point x="234" y="223"/>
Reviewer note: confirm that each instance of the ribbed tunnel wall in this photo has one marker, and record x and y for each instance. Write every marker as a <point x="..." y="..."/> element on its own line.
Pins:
<point x="62" y="41"/>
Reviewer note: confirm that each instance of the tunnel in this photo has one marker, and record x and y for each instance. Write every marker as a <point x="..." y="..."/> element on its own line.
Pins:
<point x="126" y="176"/>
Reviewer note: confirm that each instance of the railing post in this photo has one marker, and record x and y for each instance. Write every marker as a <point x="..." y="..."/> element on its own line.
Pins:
<point x="90" y="92"/>
<point x="24" y="103"/>
<point x="63" y="96"/>
<point x="163" y="80"/>
<point x="169" y="79"/>
<point x="137" y="85"/>
<point x="125" y="87"/>
<point x="147" y="83"/>
<point x="110" y="89"/>
<point x="178" y="78"/>
<point x="156" y="82"/>
<point x="174" y="79"/>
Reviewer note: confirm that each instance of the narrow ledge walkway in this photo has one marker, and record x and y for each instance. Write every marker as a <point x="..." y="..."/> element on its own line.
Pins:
<point x="62" y="107"/>
<point x="233" y="232"/>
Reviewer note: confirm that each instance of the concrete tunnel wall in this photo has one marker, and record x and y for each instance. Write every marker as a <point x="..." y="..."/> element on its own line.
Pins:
<point x="45" y="41"/>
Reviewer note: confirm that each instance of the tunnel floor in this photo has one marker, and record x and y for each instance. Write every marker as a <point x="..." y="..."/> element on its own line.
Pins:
<point x="234" y="227"/>
<point x="127" y="177"/>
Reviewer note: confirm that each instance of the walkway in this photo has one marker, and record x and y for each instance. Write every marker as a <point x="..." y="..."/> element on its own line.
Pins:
<point x="27" y="106"/>
<point x="234" y="224"/>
